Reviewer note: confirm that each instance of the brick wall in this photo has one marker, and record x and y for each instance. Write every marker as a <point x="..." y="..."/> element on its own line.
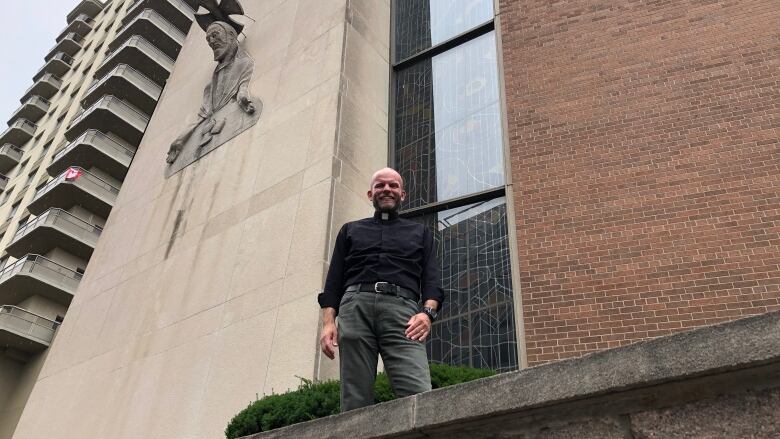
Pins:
<point x="646" y="166"/>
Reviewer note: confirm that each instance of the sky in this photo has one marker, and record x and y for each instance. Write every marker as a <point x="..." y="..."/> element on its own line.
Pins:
<point x="28" y="29"/>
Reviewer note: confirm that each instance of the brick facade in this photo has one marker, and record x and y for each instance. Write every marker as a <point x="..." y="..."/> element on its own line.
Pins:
<point x="646" y="166"/>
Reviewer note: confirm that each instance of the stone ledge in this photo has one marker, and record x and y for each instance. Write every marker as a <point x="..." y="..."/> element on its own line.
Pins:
<point x="607" y="393"/>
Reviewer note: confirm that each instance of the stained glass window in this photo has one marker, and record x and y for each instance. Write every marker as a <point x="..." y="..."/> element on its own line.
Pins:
<point x="448" y="146"/>
<point x="448" y="124"/>
<point x="476" y="326"/>
<point x="421" y="24"/>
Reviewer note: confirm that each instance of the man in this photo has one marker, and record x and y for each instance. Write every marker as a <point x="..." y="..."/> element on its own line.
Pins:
<point x="381" y="269"/>
<point x="229" y="81"/>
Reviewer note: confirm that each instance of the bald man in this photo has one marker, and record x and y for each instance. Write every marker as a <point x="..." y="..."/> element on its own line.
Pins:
<point x="383" y="284"/>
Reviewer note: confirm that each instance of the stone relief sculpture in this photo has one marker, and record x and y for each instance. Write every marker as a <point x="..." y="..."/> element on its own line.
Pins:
<point x="227" y="108"/>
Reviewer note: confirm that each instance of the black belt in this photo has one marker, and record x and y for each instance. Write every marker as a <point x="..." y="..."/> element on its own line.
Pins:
<point x="383" y="288"/>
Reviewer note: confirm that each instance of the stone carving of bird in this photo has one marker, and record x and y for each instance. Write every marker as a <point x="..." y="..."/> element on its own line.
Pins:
<point x="220" y="11"/>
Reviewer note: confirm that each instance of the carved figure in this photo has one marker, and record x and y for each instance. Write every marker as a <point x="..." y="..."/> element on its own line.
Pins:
<point x="229" y="81"/>
<point x="227" y="108"/>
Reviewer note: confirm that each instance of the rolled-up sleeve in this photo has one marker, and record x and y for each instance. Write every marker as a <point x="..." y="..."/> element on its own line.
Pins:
<point x="430" y="284"/>
<point x="334" y="283"/>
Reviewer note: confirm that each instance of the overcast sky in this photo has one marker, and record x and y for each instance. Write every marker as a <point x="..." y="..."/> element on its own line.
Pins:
<point x="29" y="29"/>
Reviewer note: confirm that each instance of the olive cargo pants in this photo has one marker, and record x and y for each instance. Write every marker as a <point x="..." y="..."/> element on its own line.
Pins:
<point x="370" y="324"/>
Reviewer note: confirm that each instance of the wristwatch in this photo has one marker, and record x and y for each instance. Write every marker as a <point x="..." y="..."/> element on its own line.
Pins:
<point x="431" y="313"/>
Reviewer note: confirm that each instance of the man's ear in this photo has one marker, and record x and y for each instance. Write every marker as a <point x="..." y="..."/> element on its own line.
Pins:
<point x="403" y="195"/>
<point x="369" y="194"/>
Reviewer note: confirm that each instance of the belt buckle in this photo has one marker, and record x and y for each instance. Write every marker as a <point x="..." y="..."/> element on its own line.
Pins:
<point x="376" y="287"/>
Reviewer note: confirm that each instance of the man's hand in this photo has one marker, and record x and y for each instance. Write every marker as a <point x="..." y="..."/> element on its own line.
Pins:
<point x="330" y="335"/>
<point x="418" y="327"/>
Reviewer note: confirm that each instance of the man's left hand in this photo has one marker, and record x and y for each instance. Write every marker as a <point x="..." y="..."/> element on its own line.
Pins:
<point x="418" y="327"/>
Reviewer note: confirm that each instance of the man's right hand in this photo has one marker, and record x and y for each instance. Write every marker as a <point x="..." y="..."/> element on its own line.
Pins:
<point x="329" y="340"/>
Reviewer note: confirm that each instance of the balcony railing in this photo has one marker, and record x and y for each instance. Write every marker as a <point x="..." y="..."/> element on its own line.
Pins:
<point x="70" y="44"/>
<point x="94" y="136"/>
<point x="27" y="324"/>
<point x="128" y="84"/>
<point x="19" y="132"/>
<point x="9" y="156"/>
<point x="32" y="109"/>
<point x="142" y="56"/>
<point x="81" y="25"/>
<point x="72" y="233"/>
<point x="85" y="7"/>
<point x="75" y="186"/>
<point x="177" y="12"/>
<point x="110" y="114"/>
<point x="153" y="27"/>
<point x="46" y="86"/>
<point x="59" y="64"/>
<point x="36" y="275"/>
<point x="82" y="174"/>
<point x="93" y="148"/>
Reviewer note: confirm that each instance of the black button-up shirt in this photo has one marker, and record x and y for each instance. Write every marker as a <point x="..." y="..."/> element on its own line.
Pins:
<point x="392" y="250"/>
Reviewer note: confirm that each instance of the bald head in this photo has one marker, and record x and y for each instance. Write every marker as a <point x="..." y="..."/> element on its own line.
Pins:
<point x="387" y="190"/>
<point x="387" y="172"/>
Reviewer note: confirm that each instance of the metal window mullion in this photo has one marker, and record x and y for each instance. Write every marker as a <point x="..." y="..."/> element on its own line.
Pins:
<point x="476" y="197"/>
<point x="444" y="46"/>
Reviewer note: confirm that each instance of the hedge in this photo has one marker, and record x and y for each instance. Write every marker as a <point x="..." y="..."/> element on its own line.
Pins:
<point x="316" y="400"/>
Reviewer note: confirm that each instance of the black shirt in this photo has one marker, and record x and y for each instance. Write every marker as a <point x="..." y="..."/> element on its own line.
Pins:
<point x="392" y="250"/>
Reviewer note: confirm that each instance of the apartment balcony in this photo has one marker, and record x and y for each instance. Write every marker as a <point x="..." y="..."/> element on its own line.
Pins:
<point x="89" y="8"/>
<point x="25" y="331"/>
<point x="93" y="149"/>
<point x="127" y="84"/>
<point x="58" y="65"/>
<point x="55" y="228"/>
<point x="47" y="86"/>
<point x="156" y="29"/>
<point x="3" y="182"/>
<point x="10" y="155"/>
<point x="33" y="109"/>
<point x="36" y="275"/>
<point x="110" y="114"/>
<point x="80" y="25"/>
<point x="19" y="132"/>
<point x="69" y="44"/>
<point x="72" y="187"/>
<point x="140" y="55"/>
<point x="177" y="12"/>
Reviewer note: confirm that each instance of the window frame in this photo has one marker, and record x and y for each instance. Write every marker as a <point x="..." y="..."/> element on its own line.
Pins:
<point x="429" y="53"/>
<point x="476" y="197"/>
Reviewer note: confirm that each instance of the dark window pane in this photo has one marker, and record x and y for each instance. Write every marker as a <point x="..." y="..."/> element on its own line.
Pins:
<point x="420" y="24"/>
<point x="448" y="124"/>
<point x="477" y="326"/>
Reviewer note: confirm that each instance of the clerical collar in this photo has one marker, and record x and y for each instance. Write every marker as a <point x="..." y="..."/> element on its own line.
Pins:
<point x="386" y="216"/>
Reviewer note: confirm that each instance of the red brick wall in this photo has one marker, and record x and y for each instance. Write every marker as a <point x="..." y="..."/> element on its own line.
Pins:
<point x="646" y="166"/>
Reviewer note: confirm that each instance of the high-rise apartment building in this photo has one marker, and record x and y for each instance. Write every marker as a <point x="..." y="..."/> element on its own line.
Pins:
<point x="594" y="174"/>
<point x="63" y="159"/>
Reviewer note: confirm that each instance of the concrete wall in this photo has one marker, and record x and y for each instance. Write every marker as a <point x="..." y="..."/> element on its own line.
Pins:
<point x="201" y="293"/>
<point x="87" y="216"/>
<point x="10" y="372"/>
<point x="65" y="259"/>
<point x="17" y="380"/>
<point x="43" y="307"/>
<point x="715" y="382"/>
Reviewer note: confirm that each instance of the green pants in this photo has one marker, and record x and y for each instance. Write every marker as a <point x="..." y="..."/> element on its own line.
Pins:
<point x="374" y="324"/>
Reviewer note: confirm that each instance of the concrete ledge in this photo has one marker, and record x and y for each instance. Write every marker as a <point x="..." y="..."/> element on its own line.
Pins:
<point x="721" y="380"/>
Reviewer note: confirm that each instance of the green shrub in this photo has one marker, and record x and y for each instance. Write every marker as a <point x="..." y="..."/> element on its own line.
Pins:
<point x="316" y="400"/>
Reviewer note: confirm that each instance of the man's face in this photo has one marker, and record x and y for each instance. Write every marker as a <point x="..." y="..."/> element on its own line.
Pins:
<point x="219" y="41"/>
<point x="387" y="191"/>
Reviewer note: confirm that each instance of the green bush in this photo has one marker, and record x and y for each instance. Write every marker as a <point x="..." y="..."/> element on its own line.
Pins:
<point x="316" y="400"/>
